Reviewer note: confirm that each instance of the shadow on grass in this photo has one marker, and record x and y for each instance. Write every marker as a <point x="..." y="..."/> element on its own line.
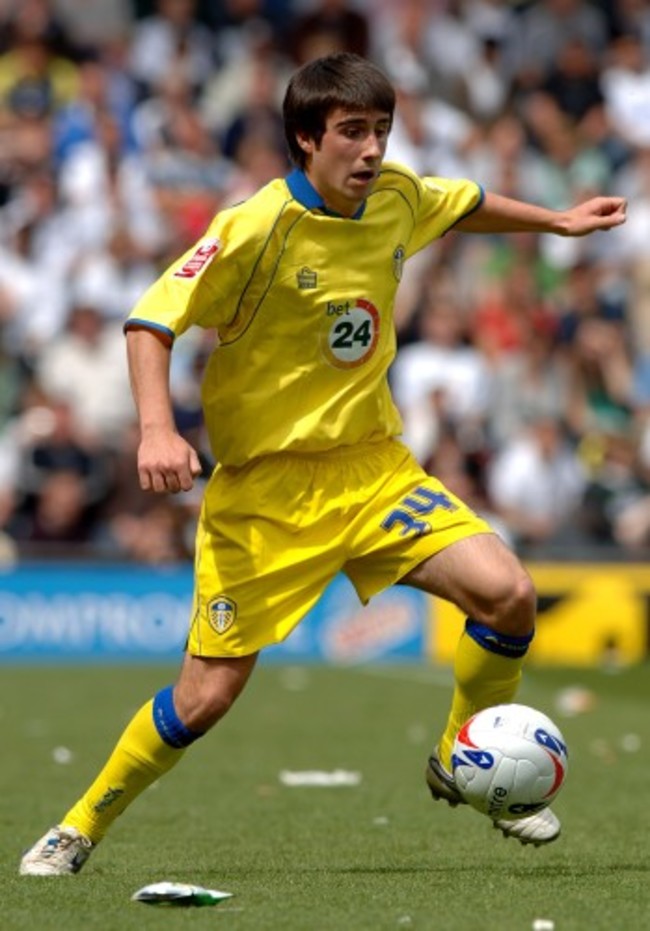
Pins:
<point x="543" y="871"/>
<point x="572" y="871"/>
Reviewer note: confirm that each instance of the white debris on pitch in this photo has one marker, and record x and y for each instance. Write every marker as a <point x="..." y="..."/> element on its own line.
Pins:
<point x="319" y="777"/>
<point x="575" y="700"/>
<point x="631" y="743"/>
<point x="169" y="893"/>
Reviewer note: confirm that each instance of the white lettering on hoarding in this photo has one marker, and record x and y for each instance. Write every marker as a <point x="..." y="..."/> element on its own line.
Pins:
<point x="82" y="623"/>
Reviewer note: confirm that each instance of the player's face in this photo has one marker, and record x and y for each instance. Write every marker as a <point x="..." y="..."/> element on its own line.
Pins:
<point x="344" y="166"/>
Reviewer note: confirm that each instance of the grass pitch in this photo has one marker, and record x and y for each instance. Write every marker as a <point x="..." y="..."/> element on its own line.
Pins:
<point x="375" y="856"/>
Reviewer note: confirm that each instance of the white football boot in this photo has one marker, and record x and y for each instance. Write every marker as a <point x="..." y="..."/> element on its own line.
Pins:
<point x="441" y="783"/>
<point x="63" y="850"/>
<point x="540" y="828"/>
<point x="537" y="829"/>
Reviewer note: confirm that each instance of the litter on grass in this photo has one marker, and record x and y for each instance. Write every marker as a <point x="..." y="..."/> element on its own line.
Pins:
<point x="318" y="777"/>
<point x="574" y="700"/>
<point x="183" y="894"/>
<point x="631" y="743"/>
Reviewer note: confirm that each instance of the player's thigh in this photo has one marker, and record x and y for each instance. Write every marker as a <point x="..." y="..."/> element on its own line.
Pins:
<point x="484" y="578"/>
<point x="266" y="549"/>
<point x="407" y="516"/>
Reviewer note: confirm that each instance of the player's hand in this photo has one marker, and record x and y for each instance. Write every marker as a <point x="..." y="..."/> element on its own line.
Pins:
<point x="167" y="462"/>
<point x="599" y="213"/>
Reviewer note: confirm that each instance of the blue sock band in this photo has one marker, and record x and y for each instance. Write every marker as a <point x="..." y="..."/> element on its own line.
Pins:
<point x="168" y="724"/>
<point x="496" y="642"/>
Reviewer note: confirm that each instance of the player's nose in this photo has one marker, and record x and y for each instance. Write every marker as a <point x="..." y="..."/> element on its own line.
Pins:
<point x="374" y="146"/>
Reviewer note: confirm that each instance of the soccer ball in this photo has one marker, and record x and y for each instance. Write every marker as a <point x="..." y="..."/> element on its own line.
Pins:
<point x="509" y="761"/>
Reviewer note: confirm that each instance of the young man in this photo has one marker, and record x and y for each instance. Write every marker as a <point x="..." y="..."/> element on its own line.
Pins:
<point x="299" y="283"/>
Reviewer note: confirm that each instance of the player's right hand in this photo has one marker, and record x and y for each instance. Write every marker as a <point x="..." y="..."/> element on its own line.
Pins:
<point x="167" y="463"/>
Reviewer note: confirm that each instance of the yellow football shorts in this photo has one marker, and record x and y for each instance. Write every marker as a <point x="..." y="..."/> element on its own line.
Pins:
<point x="273" y="534"/>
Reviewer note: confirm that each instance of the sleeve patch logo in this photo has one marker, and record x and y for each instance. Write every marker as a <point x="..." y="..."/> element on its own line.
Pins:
<point x="199" y="260"/>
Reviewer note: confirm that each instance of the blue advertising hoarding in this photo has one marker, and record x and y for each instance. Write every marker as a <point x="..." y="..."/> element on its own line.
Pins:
<point x="106" y="613"/>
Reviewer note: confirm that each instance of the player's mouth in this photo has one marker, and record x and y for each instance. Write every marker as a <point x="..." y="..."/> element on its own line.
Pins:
<point x="363" y="177"/>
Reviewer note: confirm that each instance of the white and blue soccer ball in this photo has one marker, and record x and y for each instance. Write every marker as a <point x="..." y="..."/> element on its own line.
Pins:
<point x="509" y="761"/>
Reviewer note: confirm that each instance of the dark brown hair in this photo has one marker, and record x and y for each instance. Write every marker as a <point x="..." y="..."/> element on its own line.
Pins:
<point x="342" y="80"/>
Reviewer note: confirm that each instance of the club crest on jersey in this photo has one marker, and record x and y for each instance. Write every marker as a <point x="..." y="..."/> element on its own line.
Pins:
<point x="222" y="612"/>
<point x="306" y="278"/>
<point x="398" y="262"/>
<point x="199" y="260"/>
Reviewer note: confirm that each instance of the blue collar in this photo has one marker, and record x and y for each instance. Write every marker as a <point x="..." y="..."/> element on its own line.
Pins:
<point x="304" y="191"/>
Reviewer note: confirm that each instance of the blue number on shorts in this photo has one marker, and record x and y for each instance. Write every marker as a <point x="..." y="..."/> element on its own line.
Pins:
<point x="425" y="503"/>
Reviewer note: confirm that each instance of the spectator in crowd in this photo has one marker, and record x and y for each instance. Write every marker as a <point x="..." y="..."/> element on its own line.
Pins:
<point x="251" y="75"/>
<point x="171" y="39"/>
<point x="95" y="25"/>
<point x="543" y="30"/>
<point x="111" y="278"/>
<point x="85" y="368"/>
<point x="630" y="17"/>
<point x="38" y="247"/>
<point x="346" y="24"/>
<point x="508" y="303"/>
<point x="529" y="384"/>
<point x="183" y="166"/>
<point x="37" y="73"/>
<point x="630" y="262"/>
<point x="440" y="380"/>
<point x="105" y="185"/>
<point x="614" y="510"/>
<point x="62" y="476"/>
<point x="600" y="392"/>
<point x="573" y="84"/>
<point x="430" y="134"/>
<point x="60" y="514"/>
<point x="536" y="482"/>
<point x="625" y="83"/>
<point x="101" y="89"/>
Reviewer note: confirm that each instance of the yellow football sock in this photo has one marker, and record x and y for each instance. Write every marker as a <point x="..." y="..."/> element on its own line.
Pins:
<point x="140" y="757"/>
<point x="487" y="671"/>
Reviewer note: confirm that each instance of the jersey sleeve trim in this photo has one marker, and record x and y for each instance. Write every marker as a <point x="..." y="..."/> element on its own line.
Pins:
<point x="481" y="198"/>
<point x="137" y="322"/>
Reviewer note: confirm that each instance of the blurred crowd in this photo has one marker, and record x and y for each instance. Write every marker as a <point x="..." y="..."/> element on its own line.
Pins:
<point x="523" y="368"/>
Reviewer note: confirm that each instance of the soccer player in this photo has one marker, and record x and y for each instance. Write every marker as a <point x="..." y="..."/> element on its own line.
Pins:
<point x="312" y="479"/>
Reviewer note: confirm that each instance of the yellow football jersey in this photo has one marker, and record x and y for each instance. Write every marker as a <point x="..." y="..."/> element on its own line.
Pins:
<point x="302" y="301"/>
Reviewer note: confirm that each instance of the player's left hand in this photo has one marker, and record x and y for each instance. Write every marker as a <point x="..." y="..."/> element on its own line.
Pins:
<point x="599" y="213"/>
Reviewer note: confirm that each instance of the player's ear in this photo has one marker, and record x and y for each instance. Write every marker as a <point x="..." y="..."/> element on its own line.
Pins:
<point x="305" y="142"/>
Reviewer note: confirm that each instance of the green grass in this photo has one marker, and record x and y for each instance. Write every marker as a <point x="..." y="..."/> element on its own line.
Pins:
<point x="378" y="856"/>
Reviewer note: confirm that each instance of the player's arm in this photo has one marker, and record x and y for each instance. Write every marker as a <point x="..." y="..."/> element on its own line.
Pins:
<point x="166" y="462"/>
<point x="498" y="214"/>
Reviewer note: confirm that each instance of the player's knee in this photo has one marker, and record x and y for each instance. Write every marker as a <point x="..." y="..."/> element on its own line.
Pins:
<point x="514" y="610"/>
<point x="205" y="707"/>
